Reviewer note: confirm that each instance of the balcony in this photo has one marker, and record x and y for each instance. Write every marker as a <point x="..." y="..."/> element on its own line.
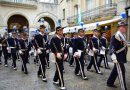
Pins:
<point x="97" y="14"/>
<point x="28" y="4"/>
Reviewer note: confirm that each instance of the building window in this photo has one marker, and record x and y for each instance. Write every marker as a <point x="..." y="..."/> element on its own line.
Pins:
<point x="90" y="4"/>
<point x="108" y="1"/>
<point x="63" y="14"/>
<point x="76" y="9"/>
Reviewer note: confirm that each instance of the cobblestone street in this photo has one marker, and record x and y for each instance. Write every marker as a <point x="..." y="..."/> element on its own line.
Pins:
<point x="16" y="80"/>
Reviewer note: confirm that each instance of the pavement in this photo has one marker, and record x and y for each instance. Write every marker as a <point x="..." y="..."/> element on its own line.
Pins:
<point x="17" y="80"/>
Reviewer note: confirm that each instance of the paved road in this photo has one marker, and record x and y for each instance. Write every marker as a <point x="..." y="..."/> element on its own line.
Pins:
<point x="16" y="80"/>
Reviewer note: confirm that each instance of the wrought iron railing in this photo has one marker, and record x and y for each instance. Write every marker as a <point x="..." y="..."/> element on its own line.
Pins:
<point x="108" y="9"/>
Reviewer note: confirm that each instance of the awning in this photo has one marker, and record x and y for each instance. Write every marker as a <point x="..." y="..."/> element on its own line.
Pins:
<point x="89" y="32"/>
<point x="110" y="21"/>
<point x="91" y="26"/>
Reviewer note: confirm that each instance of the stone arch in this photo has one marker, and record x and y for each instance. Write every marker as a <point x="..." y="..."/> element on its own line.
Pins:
<point x="8" y="15"/>
<point x="49" y="17"/>
<point x="17" y="20"/>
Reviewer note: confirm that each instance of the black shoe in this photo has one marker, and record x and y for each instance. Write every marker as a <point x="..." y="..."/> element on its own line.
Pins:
<point x="44" y="79"/>
<point x="114" y="86"/>
<point x="6" y="65"/>
<point x="90" y="70"/>
<point x="0" y="62"/>
<point x="26" y="72"/>
<point x="39" y="75"/>
<point x="107" y="68"/>
<point x="71" y="65"/>
<point x="100" y="66"/>
<point x="14" y="68"/>
<point x="22" y="70"/>
<point x="56" y="83"/>
<point x="62" y="88"/>
<point x="85" y="78"/>
<point x="78" y="74"/>
<point x="99" y="73"/>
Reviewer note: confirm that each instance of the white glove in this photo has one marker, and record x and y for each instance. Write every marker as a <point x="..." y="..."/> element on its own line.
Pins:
<point x="58" y="55"/>
<point x="0" y="44"/>
<point x="39" y="51"/>
<point x="75" y="54"/>
<point x="95" y="50"/>
<point x="67" y="45"/>
<point x="114" y="59"/>
<point x="70" y="50"/>
<point x="20" y="52"/>
<point x="65" y="56"/>
<point x="30" y="52"/>
<point x="79" y="53"/>
<point x="103" y="48"/>
<point x="47" y="51"/>
<point x="8" y="48"/>
<point x="87" y="50"/>
<point x="35" y="54"/>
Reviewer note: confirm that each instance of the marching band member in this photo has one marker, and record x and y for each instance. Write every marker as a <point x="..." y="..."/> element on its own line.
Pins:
<point x="23" y="50"/>
<point x="94" y="48"/>
<point x="46" y="38"/>
<point x="57" y="48"/>
<point x="39" y="45"/>
<point x="4" y="49"/>
<point x="12" y="48"/>
<point x="118" y="49"/>
<point x="75" y="35"/>
<point x="80" y="44"/>
<point x="103" y="53"/>
<point x="0" y="49"/>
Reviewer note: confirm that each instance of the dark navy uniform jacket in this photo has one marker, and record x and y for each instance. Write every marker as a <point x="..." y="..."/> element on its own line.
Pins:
<point x="39" y="41"/>
<point x="23" y="44"/>
<point x="94" y="42"/>
<point x="46" y="38"/>
<point x="103" y="42"/>
<point x="80" y="44"/>
<point x="56" y="45"/>
<point x="73" y="42"/>
<point x="65" y="42"/>
<point x="116" y="45"/>
<point x="1" y="43"/>
<point x="4" y="42"/>
<point x="1" y="40"/>
<point x="12" y="42"/>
